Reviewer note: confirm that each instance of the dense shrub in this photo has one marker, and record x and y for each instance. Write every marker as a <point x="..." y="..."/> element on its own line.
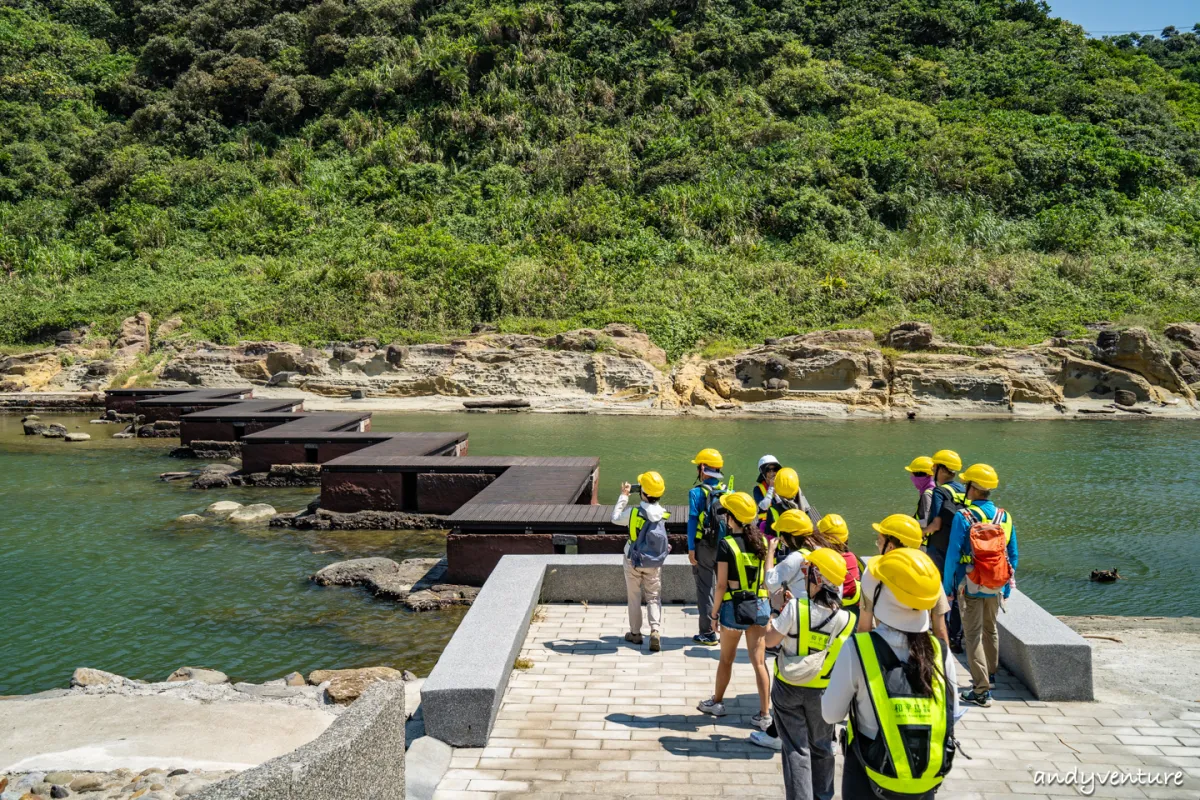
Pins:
<point x="710" y="171"/>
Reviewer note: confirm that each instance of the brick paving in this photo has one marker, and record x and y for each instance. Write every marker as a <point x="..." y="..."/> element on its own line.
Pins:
<point x="595" y="718"/>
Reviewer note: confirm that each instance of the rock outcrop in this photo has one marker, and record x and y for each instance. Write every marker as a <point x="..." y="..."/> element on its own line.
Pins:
<point x="416" y="582"/>
<point x="823" y="373"/>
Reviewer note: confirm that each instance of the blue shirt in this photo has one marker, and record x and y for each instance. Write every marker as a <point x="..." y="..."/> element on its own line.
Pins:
<point x="960" y="545"/>
<point x="696" y="503"/>
<point x="935" y="504"/>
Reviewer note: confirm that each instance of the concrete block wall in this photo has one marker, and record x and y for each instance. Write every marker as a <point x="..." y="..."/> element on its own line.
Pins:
<point x="358" y="757"/>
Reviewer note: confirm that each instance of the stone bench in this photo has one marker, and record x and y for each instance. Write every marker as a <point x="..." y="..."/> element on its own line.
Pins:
<point x="463" y="693"/>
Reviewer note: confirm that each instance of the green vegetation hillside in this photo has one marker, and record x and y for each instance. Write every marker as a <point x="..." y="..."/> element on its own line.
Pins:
<point x="705" y="169"/>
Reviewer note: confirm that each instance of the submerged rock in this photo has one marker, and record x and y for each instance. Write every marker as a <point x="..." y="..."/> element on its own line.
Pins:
<point x="190" y="519"/>
<point x="222" y="508"/>
<point x="54" y="431"/>
<point x="253" y="514"/>
<point x="77" y="437"/>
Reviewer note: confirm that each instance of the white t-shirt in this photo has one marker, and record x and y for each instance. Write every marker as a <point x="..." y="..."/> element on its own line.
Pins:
<point x="847" y="685"/>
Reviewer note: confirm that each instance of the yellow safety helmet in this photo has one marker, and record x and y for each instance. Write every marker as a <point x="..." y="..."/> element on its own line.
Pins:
<point x="921" y="464"/>
<point x="948" y="459"/>
<point x="834" y="527"/>
<point x="653" y="484"/>
<point x="709" y="457"/>
<point x="787" y="483"/>
<point x="981" y="475"/>
<point x="795" y="522"/>
<point x="911" y="576"/>
<point x="830" y="564"/>
<point x="741" y="505"/>
<point x="902" y="527"/>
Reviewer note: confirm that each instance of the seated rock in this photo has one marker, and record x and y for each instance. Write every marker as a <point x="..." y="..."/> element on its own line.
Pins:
<point x="55" y="431"/>
<point x="77" y="437"/>
<point x="345" y="685"/>
<point x="910" y="336"/>
<point x="85" y="676"/>
<point x="200" y="674"/>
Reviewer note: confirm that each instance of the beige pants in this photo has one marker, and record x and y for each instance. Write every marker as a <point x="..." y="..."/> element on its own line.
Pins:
<point x="643" y="583"/>
<point x="982" y="639"/>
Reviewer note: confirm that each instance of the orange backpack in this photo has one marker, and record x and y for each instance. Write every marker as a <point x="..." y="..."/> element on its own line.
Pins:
<point x="990" y="569"/>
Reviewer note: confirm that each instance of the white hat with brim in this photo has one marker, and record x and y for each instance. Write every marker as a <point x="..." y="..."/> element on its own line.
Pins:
<point x="890" y="611"/>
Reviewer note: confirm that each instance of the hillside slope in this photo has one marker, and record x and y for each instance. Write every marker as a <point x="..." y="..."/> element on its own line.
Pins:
<point x="706" y="170"/>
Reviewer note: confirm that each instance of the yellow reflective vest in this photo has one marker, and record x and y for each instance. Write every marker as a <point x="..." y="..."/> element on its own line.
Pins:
<point x="809" y="641"/>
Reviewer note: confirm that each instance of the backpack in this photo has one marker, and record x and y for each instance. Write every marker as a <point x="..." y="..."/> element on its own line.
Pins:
<point x="651" y="547"/>
<point x="710" y="518"/>
<point x="989" y="570"/>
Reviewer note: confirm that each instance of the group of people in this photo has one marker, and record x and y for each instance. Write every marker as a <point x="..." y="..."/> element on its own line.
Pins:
<point x="872" y="645"/>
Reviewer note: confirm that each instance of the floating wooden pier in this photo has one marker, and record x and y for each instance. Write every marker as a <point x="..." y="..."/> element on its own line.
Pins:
<point x="493" y="505"/>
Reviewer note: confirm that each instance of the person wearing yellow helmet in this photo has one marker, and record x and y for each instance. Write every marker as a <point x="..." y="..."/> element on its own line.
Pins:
<point x="796" y="536"/>
<point x="920" y="472"/>
<point x="897" y="658"/>
<point x="896" y="531"/>
<point x="783" y="495"/>
<point x="740" y="602"/>
<point x="645" y="553"/>
<point x="703" y="534"/>
<point x="835" y="531"/>
<point x="980" y="562"/>
<point x="944" y="503"/>
<point x="810" y="631"/>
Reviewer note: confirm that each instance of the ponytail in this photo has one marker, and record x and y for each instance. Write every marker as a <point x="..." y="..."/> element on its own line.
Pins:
<point x="755" y="541"/>
<point x="919" y="669"/>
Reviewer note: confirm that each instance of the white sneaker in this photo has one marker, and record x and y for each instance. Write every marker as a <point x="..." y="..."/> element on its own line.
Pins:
<point x="761" y="721"/>
<point x="711" y="706"/>
<point x="761" y="739"/>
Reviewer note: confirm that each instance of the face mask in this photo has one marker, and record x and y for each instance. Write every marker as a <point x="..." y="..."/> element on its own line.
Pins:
<point x="922" y="482"/>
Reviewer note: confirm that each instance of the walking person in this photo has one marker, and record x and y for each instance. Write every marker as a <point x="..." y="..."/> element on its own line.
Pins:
<point x="896" y="683"/>
<point x="645" y="553"/>
<point x="980" y="563"/>
<point x="896" y="531"/>
<point x="810" y="632"/>
<point x="945" y="501"/>
<point x="740" y="602"/>
<point x="703" y="535"/>
<point x="836" y="532"/>
<point x="920" y="472"/>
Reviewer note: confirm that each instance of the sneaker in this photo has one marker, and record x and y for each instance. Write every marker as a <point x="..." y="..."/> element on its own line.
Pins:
<point x="969" y="696"/>
<point x="709" y="639"/>
<point x="711" y="706"/>
<point x="655" y="643"/>
<point x="956" y="647"/>
<point x="761" y="739"/>
<point x="635" y="638"/>
<point x="992" y="679"/>
<point x="761" y="721"/>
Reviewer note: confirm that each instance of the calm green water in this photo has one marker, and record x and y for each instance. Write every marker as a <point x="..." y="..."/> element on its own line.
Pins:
<point x="97" y="574"/>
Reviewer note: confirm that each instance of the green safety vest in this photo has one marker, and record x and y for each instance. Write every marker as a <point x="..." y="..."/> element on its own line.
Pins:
<point x="809" y="641"/>
<point x="1002" y="519"/>
<point x="636" y="521"/>
<point x="902" y="716"/>
<point x="745" y="560"/>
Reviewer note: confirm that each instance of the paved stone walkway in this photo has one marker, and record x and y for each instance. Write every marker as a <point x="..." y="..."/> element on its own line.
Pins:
<point x="595" y="718"/>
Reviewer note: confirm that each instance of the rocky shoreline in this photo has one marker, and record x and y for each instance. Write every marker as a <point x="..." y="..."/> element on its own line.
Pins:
<point x="909" y="372"/>
<point x="327" y="691"/>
